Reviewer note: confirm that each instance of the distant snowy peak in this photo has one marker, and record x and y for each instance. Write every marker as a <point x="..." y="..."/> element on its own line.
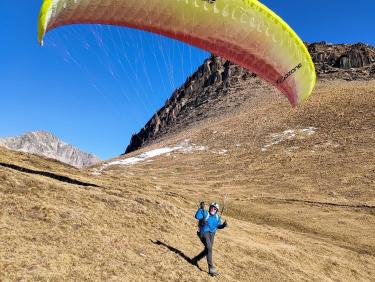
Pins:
<point x="48" y="145"/>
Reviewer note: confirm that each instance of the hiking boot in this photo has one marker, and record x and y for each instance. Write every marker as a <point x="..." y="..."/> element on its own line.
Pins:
<point x="194" y="261"/>
<point x="213" y="272"/>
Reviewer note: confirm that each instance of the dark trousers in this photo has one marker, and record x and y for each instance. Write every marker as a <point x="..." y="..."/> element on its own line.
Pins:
<point x="207" y="240"/>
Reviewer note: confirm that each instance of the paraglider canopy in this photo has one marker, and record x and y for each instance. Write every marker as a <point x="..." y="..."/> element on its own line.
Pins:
<point x="245" y="32"/>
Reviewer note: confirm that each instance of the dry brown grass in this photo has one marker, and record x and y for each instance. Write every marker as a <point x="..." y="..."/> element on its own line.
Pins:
<point x="301" y="214"/>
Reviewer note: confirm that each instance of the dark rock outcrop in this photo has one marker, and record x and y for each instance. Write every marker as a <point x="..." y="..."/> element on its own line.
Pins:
<point x="209" y="85"/>
<point x="343" y="61"/>
<point x="208" y="90"/>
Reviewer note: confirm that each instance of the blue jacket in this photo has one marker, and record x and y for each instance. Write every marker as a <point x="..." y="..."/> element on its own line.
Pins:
<point x="213" y="221"/>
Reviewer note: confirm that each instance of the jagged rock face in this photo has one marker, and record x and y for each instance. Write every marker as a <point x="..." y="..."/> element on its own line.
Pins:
<point x="214" y="80"/>
<point x="48" y="145"/>
<point x="211" y="86"/>
<point x="343" y="61"/>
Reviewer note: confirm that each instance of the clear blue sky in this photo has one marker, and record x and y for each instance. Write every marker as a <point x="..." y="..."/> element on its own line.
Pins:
<point x="93" y="86"/>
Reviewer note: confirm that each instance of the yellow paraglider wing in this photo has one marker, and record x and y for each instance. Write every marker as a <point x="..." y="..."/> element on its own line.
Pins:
<point x="245" y="32"/>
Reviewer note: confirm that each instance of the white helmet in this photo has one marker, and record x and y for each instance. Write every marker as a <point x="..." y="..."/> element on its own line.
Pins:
<point x="215" y="205"/>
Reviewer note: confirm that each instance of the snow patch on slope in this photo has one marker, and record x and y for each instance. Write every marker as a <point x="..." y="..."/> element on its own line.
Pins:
<point x="183" y="147"/>
<point x="289" y="134"/>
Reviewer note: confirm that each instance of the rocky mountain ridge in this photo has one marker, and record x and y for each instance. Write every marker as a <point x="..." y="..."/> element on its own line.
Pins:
<point x="48" y="145"/>
<point x="216" y="84"/>
<point x="343" y="61"/>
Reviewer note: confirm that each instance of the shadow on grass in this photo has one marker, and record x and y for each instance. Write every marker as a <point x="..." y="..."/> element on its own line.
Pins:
<point x="57" y="177"/>
<point x="177" y="252"/>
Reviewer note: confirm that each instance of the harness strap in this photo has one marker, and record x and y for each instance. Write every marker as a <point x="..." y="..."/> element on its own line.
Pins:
<point x="206" y="219"/>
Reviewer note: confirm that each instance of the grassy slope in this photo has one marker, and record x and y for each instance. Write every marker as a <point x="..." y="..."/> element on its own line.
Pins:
<point x="281" y="204"/>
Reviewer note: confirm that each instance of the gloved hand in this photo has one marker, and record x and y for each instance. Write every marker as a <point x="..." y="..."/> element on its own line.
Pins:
<point x="201" y="205"/>
<point x="225" y="224"/>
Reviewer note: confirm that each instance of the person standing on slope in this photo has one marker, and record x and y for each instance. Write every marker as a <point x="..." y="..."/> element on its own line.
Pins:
<point x="209" y="222"/>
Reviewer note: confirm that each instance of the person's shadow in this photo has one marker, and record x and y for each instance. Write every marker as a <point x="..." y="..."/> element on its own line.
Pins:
<point x="177" y="252"/>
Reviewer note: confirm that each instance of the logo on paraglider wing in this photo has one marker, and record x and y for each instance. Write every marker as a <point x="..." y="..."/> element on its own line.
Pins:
<point x="285" y="77"/>
<point x="209" y="1"/>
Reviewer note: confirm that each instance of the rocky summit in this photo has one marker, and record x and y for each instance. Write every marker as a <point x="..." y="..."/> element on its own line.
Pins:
<point x="47" y="145"/>
<point x="219" y="85"/>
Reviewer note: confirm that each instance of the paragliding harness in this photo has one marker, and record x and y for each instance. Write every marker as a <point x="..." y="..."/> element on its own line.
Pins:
<point x="202" y="223"/>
